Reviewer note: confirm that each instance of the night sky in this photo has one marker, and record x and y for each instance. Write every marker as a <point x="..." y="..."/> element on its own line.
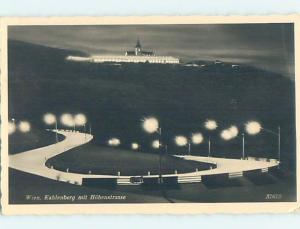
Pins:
<point x="268" y="46"/>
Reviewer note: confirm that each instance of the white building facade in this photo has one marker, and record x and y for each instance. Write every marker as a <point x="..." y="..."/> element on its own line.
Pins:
<point x="136" y="56"/>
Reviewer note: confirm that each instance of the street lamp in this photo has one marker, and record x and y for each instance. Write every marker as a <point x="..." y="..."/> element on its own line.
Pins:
<point x="243" y="146"/>
<point x="196" y="139"/>
<point x="183" y="141"/>
<point x="234" y="131"/>
<point x="253" y="128"/>
<point x="231" y="133"/>
<point x="210" y="125"/>
<point x="155" y="144"/>
<point x="80" y="120"/>
<point x="24" y="126"/>
<point x="50" y="119"/>
<point x="114" y="142"/>
<point x="166" y="149"/>
<point x="135" y="146"/>
<point x="226" y="135"/>
<point x="67" y="120"/>
<point x="90" y="127"/>
<point x="151" y="126"/>
<point x="11" y="128"/>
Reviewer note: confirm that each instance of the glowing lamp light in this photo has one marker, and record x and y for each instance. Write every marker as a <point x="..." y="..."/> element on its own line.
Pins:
<point x="114" y="142"/>
<point x="234" y="131"/>
<point x="181" y="140"/>
<point x="24" y="126"/>
<point x="226" y="135"/>
<point x="253" y="127"/>
<point x="67" y="120"/>
<point x="80" y="119"/>
<point x="150" y="124"/>
<point x="155" y="144"/>
<point x="49" y="119"/>
<point x="197" y="138"/>
<point x="211" y="124"/>
<point x="11" y="128"/>
<point x="134" y="146"/>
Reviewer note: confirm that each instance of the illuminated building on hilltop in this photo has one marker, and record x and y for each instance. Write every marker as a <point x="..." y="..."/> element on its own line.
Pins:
<point x="138" y="55"/>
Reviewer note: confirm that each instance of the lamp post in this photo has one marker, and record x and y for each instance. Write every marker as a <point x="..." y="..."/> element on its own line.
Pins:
<point x="114" y="142"/>
<point x="183" y="141"/>
<point x="56" y="134"/>
<point x="196" y="139"/>
<point x="210" y="125"/>
<point x="135" y="146"/>
<point x="11" y="127"/>
<point x="50" y="119"/>
<point x="278" y="134"/>
<point x="160" y="154"/>
<point x="253" y="128"/>
<point x="209" y="150"/>
<point x="24" y="126"/>
<point x="166" y="149"/>
<point x="279" y="145"/>
<point x="230" y="133"/>
<point x="80" y="120"/>
<point x="243" y="146"/>
<point x="151" y="126"/>
<point x="67" y="120"/>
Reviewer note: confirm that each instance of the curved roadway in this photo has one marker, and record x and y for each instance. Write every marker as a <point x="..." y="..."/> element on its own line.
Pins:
<point x="33" y="161"/>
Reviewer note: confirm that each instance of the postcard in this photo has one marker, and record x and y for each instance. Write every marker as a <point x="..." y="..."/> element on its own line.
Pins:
<point x="149" y="115"/>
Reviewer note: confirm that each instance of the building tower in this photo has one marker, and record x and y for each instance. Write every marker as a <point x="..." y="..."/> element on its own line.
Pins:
<point x="138" y="48"/>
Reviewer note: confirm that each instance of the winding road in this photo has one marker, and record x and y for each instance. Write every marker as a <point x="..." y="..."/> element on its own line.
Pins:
<point x="33" y="162"/>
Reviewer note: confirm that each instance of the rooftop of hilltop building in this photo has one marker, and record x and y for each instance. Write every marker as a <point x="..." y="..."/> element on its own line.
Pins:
<point x="138" y="51"/>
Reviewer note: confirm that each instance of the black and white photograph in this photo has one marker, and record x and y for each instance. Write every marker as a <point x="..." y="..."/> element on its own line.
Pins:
<point x="151" y="113"/>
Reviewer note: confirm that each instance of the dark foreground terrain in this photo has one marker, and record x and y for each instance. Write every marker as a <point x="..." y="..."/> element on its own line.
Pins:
<point x="237" y="190"/>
